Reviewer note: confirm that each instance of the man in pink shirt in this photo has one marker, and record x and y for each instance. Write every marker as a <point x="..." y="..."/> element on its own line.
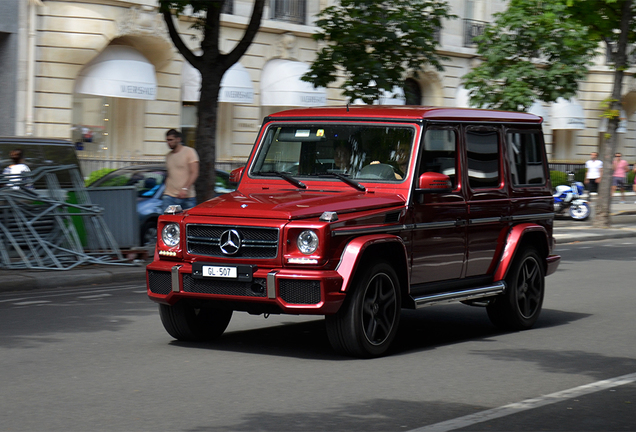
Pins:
<point x="618" y="177"/>
<point x="182" y="164"/>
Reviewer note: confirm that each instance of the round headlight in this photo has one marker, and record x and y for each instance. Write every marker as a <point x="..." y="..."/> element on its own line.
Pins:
<point x="171" y="234"/>
<point x="307" y="242"/>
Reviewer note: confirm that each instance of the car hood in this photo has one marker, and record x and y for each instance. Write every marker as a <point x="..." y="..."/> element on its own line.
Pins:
<point x="293" y="204"/>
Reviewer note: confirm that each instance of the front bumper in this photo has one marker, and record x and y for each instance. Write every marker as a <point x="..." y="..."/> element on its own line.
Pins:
<point x="297" y="291"/>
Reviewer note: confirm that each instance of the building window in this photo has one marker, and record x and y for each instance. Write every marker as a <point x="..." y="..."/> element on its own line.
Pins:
<point x="610" y="53"/>
<point x="292" y="11"/>
<point x="228" y="7"/>
<point x="472" y="29"/>
<point x="189" y="123"/>
<point x="412" y="92"/>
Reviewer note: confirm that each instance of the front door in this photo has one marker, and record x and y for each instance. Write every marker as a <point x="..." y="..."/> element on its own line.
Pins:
<point x="439" y="218"/>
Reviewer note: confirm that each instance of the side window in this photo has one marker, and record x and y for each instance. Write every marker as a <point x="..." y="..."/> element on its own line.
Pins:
<point x="439" y="153"/>
<point x="525" y="151"/>
<point x="482" y="148"/>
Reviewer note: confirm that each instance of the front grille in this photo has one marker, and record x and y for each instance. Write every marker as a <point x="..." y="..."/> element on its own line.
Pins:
<point x="159" y="282"/>
<point x="256" y="288"/>
<point x="255" y="242"/>
<point x="299" y="291"/>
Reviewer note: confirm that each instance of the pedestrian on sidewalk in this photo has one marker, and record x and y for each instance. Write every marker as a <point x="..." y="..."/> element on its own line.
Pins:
<point x="593" y="174"/>
<point x="182" y="164"/>
<point x="16" y="173"/>
<point x="618" y="176"/>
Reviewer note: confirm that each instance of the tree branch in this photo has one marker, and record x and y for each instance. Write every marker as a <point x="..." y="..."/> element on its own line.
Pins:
<point x="177" y="41"/>
<point x="248" y="37"/>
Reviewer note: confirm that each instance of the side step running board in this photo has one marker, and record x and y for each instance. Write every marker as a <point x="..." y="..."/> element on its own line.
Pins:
<point x="469" y="294"/>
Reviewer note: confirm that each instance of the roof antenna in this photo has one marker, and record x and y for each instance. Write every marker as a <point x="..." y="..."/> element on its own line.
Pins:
<point x="347" y="106"/>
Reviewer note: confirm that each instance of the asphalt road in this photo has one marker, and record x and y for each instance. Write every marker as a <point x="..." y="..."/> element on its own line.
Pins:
<point x="98" y="359"/>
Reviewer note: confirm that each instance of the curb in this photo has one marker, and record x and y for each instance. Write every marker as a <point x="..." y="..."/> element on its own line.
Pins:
<point x="12" y="281"/>
<point x="573" y="238"/>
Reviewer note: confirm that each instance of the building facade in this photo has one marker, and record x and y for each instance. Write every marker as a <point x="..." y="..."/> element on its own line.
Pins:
<point x="9" y="38"/>
<point x="106" y="75"/>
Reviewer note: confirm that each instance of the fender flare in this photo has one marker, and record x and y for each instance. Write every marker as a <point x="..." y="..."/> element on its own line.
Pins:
<point x="512" y="245"/>
<point x="354" y="250"/>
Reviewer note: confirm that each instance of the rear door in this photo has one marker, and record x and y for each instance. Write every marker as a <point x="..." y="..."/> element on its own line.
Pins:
<point x="488" y="201"/>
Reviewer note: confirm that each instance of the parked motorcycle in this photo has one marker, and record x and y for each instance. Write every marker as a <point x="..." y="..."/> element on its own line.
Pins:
<point x="569" y="198"/>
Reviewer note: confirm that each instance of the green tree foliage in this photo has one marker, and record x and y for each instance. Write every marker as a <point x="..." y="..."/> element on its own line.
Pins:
<point x="375" y="43"/>
<point x="212" y="64"/>
<point x="534" y="50"/>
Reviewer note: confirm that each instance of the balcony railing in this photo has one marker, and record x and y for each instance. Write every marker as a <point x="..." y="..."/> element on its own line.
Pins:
<point x="293" y="11"/>
<point x="472" y="29"/>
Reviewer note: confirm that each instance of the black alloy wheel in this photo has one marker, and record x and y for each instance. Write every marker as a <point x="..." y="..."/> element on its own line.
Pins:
<point x="367" y="322"/>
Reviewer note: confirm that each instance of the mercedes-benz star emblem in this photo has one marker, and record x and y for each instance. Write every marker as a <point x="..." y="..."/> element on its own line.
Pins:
<point x="230" y="242"/>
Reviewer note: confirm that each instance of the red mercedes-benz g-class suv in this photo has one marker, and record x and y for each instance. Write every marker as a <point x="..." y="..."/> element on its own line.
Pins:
<point x="357" y="212"/>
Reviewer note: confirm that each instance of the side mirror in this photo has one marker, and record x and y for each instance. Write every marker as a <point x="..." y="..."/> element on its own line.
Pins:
<point x="435" y="182"/>
<point x="236" y="174"/>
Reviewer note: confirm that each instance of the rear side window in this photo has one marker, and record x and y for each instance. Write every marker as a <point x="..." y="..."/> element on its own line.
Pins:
<point x="482" y="148"/>
<point x="525" y="153"/>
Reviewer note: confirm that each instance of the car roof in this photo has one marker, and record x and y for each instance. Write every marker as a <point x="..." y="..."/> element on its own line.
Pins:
<point x="406" y="112"/>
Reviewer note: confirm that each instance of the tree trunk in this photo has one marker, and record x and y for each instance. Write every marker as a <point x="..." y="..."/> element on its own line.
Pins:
<point x="602" y="217"/>
<point x="206" y="134"/>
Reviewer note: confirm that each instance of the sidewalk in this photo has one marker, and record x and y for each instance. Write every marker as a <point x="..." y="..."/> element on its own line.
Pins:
<point x="565" y="231"/>
<point x="568" y="231"/>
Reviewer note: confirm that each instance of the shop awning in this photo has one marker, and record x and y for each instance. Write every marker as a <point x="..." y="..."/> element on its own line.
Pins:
<point x="281" y="85"/>
<point x="236" y="85"/>
<point x="567" y="114"/>
<point x="119" y="71"/>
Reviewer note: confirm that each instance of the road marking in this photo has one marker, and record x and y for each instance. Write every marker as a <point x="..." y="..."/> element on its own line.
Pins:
<point x="67" y="292"/>
<point x="506" y="410"/>
<point x="90" y="297"/>
<point x="29" y="303"/>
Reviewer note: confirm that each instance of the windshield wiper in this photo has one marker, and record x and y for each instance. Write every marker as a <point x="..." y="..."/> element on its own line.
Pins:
<point x="344" y="178"/>
<point x="284" y="176"/>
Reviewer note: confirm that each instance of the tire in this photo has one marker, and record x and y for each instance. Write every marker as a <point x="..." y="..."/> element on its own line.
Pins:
<point x="184" y="322"/>
<point x="367" y="322"/>
<point x="519" y="307"/>
<point x="580" y="212"/>
<point x="149" y="233"/>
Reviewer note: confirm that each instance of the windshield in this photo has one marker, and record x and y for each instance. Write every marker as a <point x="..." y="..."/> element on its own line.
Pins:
<point x="357" y="151"/>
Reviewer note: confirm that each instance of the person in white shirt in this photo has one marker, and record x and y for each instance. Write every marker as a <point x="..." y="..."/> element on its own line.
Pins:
<point x="594" y="172"/>
<point x="14" y="173"/>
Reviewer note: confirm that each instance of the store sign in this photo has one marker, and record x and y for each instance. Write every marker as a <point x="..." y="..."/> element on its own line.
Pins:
<point x="234" y="95"/>
<point x="137" y="90"/>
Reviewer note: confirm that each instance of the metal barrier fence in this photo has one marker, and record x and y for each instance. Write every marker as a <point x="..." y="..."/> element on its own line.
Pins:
<point x="52" y="228"/>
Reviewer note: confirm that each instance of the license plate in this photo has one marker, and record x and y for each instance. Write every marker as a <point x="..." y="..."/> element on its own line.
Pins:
<point x="219" y="272"/>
